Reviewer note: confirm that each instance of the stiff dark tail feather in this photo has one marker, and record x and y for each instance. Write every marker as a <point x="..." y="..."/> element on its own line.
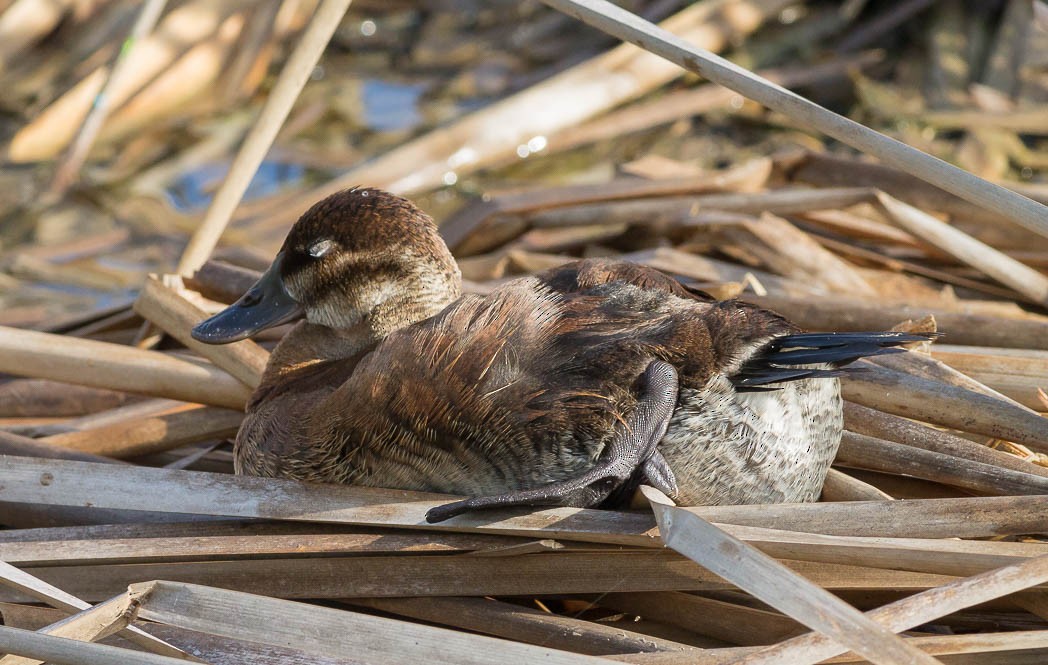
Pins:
<point x="782" y="360"/>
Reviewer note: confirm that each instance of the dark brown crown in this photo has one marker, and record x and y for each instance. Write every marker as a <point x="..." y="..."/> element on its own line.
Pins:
<point x="348" y="250"/>
<point x="362" y="220"/>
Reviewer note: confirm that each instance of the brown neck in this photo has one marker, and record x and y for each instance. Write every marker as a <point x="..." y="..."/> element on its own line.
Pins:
<point x="306" y="352"/>
<point x="308" y="344"/>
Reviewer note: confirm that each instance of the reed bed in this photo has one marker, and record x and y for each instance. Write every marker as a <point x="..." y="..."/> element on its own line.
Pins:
<point x="533" y="141"/>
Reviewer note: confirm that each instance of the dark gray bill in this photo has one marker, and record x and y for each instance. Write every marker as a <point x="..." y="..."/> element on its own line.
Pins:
<point x="266" y="304"/>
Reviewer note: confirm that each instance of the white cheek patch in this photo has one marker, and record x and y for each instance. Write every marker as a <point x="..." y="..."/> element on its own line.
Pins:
<point x="320" y="248"/>
<point x="332" y="314"/>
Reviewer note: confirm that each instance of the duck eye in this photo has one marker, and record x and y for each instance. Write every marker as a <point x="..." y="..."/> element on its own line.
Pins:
<point x="320" y="248"/>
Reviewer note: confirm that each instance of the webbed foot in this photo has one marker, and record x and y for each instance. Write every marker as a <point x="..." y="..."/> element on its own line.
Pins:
<point x="658" y="474"/>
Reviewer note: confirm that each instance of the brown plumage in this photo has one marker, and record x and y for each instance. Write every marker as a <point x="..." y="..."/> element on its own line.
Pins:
<point x="394" y="380"/>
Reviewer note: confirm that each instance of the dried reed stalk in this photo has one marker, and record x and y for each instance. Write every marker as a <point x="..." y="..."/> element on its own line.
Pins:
<point x="956" y="243"/>
<point x="840" y="486"/>
<point x="720" y="620"/>
<point x="89" y="625"/>
<point x="180" y="492"/>
<point x="475" y="215"/>
<point x="1018" y="373"/>
<point x="62" y="651"/>
<point x="522" y="624"/>
<point x="974" y="517"/>
<point x="67" y="169"/>
<point x="866" y="452"/>
<point x="13" y="444"/>
<point x="187" y="47"/>
<point x="329" y="632"/>
<point x="12" y="577"/>
<point x="628" y="27"/>
<point x="292" y="78"/>
<point x="827" y="312"/>
<point x="222" y="282"/>
<point x="935" y="402"/>
<point x="776" y="585"/>
<point x="495" y="132"/>
<point x="168" y="310"/>
<point x="910" y="612"/>
<point x="143" y="436"/>
<point x="193" y="542"/>
<point x="117" y="367"/>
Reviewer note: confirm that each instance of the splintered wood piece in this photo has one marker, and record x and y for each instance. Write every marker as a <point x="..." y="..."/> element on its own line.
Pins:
<point x="143" y="436"/>
<point x="117" y="367"/>
<point x="168" y="310"/>
<point x="90" y="625"/>
<point x="778" y="586"/>
<point x="23" y="582"/>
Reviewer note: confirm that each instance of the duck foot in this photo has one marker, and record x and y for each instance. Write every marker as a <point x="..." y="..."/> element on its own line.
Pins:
<point x="631" y="450"/>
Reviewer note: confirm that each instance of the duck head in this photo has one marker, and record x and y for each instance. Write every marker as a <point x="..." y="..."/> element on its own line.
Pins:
<point x="362" y="257"/>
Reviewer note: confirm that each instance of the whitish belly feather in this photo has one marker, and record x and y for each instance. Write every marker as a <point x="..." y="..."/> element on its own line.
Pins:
<point x="761" y="447"/>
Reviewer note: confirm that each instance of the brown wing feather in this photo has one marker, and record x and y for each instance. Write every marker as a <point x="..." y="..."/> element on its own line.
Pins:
<point x="736" y="330"/>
